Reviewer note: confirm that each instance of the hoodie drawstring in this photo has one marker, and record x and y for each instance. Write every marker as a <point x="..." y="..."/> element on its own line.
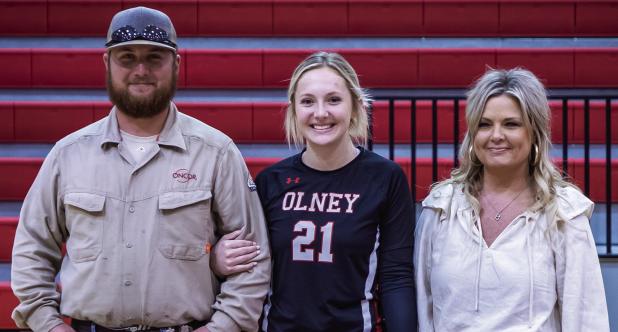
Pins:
<point x="531" y="275"/>
<point x="478" y="266"/>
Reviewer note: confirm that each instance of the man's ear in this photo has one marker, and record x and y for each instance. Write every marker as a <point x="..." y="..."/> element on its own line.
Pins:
<point x="177" y="59"/>
<point x="106" y="60"/>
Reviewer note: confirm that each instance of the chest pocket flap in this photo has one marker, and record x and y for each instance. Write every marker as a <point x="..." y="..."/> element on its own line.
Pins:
<point x="85" y="217"/>
<point x="174" y="200"/>
<point x="85" y="201"/>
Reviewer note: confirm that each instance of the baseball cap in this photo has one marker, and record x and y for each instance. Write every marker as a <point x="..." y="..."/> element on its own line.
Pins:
<point x="141" y="26"/>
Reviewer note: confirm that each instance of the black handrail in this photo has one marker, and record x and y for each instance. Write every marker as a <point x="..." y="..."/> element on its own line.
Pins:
<point x="565" y="96"/>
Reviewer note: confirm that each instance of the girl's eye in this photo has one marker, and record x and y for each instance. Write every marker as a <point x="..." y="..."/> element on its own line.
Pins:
<point x="513" y="124"/>
<point x="306" y="102"/>
<point x="483" y="125"/>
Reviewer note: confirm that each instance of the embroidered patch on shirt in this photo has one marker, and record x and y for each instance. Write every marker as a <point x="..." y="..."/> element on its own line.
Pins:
<point x="183" y="175"/>
<point x="251" y="184"/>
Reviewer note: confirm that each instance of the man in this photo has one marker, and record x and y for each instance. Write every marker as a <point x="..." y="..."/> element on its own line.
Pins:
<point x="138" y="197"/>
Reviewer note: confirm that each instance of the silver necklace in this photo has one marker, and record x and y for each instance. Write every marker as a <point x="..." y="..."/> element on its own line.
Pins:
<point x="499" y="212"/>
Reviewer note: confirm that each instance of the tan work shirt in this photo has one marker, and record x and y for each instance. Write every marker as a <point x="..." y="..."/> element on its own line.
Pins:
<point x="138" y="236"/>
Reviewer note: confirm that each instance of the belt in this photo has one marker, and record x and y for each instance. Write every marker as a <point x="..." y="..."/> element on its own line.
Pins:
<point x="88" y="326"/>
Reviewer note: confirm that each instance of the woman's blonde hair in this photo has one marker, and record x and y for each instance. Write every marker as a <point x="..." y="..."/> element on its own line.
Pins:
<point x="525" y="88"/>
<point x="359" y="121"/>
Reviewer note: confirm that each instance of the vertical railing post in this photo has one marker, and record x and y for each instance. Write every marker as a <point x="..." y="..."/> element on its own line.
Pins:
<point x="587" y="146"/>
<point x="413" y="153"/>
<point x="434" y="140"/>
<point x="456" y="133"/>
<point x="608" y="173"/>
<point x="565" y="137"/>
<point x="391" y="129"/>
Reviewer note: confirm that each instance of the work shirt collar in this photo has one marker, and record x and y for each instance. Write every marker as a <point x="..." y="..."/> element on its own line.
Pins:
<point x="171" y="134"/>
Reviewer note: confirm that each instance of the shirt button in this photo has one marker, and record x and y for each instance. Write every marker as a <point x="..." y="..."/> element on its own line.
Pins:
<point x="128" y="283"/>
<point x="131" y="209"/>
<point x="129" y="245"/>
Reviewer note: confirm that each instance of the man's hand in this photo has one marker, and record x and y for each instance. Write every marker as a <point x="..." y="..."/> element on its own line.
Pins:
<point x="233" y="254"/>
<point x="62" y="328"/>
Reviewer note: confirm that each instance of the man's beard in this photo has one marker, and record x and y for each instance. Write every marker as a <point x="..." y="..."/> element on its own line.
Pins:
<point x="144" y="107"/>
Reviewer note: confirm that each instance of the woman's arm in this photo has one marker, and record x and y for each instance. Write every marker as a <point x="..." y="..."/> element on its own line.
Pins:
<point x="396" y="272"/>
<point x="581" y="294"/>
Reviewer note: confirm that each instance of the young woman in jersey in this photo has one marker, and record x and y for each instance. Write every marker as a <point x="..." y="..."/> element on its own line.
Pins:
<point x="339" y="216"/>
<point x="505" y="244"/>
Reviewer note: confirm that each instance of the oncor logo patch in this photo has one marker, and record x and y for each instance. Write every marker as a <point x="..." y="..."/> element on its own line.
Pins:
<point x="183" y="175"/>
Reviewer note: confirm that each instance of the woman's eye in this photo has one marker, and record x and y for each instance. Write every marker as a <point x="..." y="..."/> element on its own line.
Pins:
<point x="513" y="124"/>
<point x="334" y="100"/>
<point x="483" y="125"/>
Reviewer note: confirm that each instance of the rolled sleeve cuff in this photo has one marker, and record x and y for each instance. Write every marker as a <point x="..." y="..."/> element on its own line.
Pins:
<point x="42" y="320"/>
<point x="220" y="322"/>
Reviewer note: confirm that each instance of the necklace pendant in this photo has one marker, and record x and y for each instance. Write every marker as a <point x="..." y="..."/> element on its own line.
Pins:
<point x="497" y="217"/>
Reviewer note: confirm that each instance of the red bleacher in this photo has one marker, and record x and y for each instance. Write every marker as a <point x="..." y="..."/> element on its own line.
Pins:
<point x="7" y="304"/>
<point x="319" y="17"/>
<point x="262" y="122"/>
<point x="271" y="68"/>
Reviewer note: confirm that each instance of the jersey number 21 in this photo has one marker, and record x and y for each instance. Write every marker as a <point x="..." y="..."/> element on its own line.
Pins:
<point x="302" y="249"/>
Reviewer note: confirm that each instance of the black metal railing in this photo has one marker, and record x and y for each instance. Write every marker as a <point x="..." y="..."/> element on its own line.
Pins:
<point x="566" y="97"/>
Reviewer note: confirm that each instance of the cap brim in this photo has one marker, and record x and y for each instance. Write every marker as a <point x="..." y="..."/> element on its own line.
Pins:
<point x="142" y="42"/>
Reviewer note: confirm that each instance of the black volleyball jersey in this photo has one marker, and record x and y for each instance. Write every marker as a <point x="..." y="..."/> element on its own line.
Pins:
<point x="333" y="236"/>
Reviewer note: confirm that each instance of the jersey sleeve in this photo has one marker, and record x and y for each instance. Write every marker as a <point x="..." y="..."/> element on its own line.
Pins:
<point x="395" y="261"/>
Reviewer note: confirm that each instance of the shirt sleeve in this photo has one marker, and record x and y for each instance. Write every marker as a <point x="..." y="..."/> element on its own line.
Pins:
<point x="395" y="260"/>
<point x="422" y="266"/>
<point x="581" y="294"/>
<point x="239" y="304"/>
<point x="37" y="252"/>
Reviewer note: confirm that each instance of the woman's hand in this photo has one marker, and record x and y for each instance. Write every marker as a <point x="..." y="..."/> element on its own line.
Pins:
<point x="233" y="254"/>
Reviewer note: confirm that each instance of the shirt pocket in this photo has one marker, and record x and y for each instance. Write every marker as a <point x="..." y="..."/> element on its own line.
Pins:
<point x="84" y="218"/>
<point x="185" y="224"/>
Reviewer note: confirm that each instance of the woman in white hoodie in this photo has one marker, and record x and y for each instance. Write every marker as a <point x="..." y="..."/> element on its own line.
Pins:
<point x="505" y="244"/>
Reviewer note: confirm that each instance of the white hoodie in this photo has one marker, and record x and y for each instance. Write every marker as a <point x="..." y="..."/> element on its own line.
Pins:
<point x="521" y="282"/>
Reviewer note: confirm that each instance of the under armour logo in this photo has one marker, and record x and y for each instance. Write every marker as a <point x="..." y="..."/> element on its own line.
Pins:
<point x="295" y="180"/>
